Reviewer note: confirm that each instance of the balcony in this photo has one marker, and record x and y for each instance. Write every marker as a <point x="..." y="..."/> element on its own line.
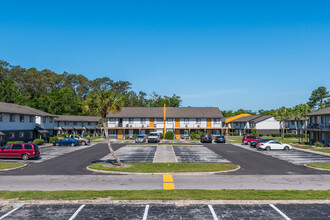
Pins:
<point x="319" y="126"/>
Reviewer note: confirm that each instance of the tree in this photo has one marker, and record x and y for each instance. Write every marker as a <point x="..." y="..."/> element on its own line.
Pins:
<point x="101" y="103"/>
<point x="305" y="109"/>
<point x="283" y="114"/>
<point x="297" y="115"/>
<point x="319" y="98"/>
<point x="8" y="92"/>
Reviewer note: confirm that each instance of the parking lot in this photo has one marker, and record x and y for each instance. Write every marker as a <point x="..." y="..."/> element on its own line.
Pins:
<point x="166" y="211"/>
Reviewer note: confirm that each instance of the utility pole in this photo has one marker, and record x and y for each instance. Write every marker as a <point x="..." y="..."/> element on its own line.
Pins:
<point x="164" y="121"/>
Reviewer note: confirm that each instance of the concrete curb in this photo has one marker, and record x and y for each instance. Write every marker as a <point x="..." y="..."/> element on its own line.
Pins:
<point x="4" y="202"/>
<point x="24" y="165"/>
<point x="187" y="173"/>
<point x="316" y="168"/>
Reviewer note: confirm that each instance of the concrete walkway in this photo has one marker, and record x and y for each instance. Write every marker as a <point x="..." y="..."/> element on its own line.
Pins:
<point x="165" y="154"/>
<point x="152" y="182"/>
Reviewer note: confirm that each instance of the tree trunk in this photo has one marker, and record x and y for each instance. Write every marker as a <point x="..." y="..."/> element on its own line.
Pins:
<point x="306" y="130"/>
<point x="106" y="133"/>
<point x="283" y="129"/>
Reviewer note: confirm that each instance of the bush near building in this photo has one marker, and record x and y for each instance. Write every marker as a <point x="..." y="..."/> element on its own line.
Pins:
<point x="169" y="135"/>
<point x="52" y="139"/>
<point x="319" y="144"/>
<point x="15" y="142"/>
<point x="39" y="141"/>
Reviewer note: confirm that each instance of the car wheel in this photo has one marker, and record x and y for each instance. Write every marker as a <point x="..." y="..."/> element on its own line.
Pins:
<point x="248" y="143"/>
<point x="57" y="144"/>
<point x="25" y="156"/>
<point x="286" y="148"/>
<point x="72" y="145"/>
<point x="83" y="143"/>
<point x="267" y="148"/>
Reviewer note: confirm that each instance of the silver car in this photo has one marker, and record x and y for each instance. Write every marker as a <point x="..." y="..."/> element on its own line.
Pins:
<point x="140" y="139"/>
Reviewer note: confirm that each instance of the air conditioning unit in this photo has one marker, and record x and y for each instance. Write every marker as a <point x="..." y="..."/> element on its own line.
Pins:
<point x="186" y="126"/>
<point x="127" y="125"/>
<point x="130" y="125"/>
<point x="142" y="126"/>
<point x="198" y="126"/>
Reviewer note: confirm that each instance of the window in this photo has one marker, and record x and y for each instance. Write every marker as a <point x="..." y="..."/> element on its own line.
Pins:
<point x="30" y="134"/>
<point x="28" y="146"/>
<point x="130" y="120"/>
<point x="112" y="132"/>
<point x="112" y="121"/>
<point x="11" y="135"/>
<point x="65" y="123"/>
<point x="21" y="118"/>
<point x="90" y="123"/>
<point x="169" y="120"/>
<point x="12" y="118"/>
<point x="198" y="120"/>
<point x="186" y="120"/>
<point x="50" y="120"/>
<point x="44" y="119"/>
<point x="31" y="118"/>
<point x="143" y="120"/>
<point x="75" y="123"/>
<point x="17" y="147"/>
<point x="21" y="134"/>
<point x="7" y="147"/>
<point x="217" y="120"/>
<point x="1" y="115"/>
<point x="159" y="119"/>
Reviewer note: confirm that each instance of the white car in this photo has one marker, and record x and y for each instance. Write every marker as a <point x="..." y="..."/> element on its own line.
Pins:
<point x="274" y="145"/>
<point x="153" y="137"/>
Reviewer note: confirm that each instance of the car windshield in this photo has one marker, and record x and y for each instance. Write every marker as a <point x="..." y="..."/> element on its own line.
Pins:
<point x="153" y="134"/>
<point x="140" y="136"/>
<point x="264" y="140"/>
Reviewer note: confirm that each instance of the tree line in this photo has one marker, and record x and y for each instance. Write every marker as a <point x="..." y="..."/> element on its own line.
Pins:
<point x="65" y="93"/>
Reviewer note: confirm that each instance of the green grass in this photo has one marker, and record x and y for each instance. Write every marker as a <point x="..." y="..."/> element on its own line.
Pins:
<point x="322" y="150"/>
<point x="170" y="195"/>
<point x="168" y="167"/>
<point x="320" y="165"/>
<point x="4" y="165"/>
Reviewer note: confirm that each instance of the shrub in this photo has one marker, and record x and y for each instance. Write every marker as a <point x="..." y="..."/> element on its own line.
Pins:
<point x="295" y="135"/>
<point x="254" y="131"/>
<point x="134" y="136"/>
<point x="275" y="134"/>
<point x="15" y="142"/>
<point x="319" y="144"/>
<point x="39" y="141"/>
<point x="198" y="135"/>
<point x="52" y="139"/>
<point x="85" y="135"/>
<point x="127" y="137"/>
<point x="267" y="135"/>
<point x="233" y="134"/>
<point x="260" y="135"/>
<point x="288" y="135"/>
<point x="169" y="135"/>
<point x="193" y="135"/>
<point x="161" y="135"/>
<point x="254" y="134"/>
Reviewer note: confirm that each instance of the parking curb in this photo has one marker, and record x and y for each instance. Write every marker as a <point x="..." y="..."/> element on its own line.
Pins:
<point x="24" y="165"/>
<point x="311" y="151"/>
<point x="316" y="168"/>
<point x="185" y="173"/>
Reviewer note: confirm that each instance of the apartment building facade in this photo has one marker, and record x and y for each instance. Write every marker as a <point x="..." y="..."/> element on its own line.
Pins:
<point x="180" y="120"/>
<point x="319" y="126"/>
<point x="71" y="124"/>
<point x="22" y="123"/>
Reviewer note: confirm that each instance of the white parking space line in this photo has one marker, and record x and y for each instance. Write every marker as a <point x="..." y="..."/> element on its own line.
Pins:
<point x="77" y="212"/>
<point x="213" y="212"/>
<point x="279" y="211"/>
<point x="13" y="210"/>
<point x="145" y="215"/>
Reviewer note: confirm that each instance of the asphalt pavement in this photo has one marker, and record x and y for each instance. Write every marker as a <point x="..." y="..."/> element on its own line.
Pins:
<point x="166" y="211"/>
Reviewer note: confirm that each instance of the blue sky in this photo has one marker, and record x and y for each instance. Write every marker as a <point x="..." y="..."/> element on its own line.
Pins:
<point x="231" y="54"/>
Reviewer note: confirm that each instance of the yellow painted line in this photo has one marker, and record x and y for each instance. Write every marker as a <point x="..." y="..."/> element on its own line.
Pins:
<point x="168" y="186"/>
<point x="167" y="178"/>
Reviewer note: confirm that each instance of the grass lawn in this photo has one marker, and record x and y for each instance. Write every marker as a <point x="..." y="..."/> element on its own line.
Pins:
<point x="4" y="165"/>
<point x="322" y="150"/>
<point x="170" y="195"/>
<point x="166" y="167"/>
<point x="320" y="165"/>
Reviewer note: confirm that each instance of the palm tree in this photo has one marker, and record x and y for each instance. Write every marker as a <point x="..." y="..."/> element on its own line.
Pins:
<point x="283" y="114"/>
<point x="297" y="115"/>
<point x="305" y="109"/>
<point x="100" y="103"/>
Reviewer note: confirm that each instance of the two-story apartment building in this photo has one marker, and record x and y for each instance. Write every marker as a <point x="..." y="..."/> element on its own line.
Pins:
<point x="290" y="125"/>
<point x="22" y="123"/>
<point x="181" y="120"/>
<point x="319" y="126"/>
<point x="72" y="124"/>
<point x="263" y="124"/>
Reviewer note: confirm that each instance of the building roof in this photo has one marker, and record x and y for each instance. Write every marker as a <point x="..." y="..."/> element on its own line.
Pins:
<point x="325" y="111"/>
<point x="77" y="118"/>
<point x="247" y="118"/>
<point x="171" y="112"/>
<point x="11" y="108"/>
<point x="262" y="118"/>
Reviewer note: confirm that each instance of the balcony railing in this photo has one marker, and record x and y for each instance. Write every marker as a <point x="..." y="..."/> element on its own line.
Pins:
<point x="318" y="126"/>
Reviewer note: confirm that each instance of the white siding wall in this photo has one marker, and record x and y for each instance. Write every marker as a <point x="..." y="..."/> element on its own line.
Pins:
<point x="269" y="123"/>
<point x="48" y="125"/>
<point x="6" y="125"/>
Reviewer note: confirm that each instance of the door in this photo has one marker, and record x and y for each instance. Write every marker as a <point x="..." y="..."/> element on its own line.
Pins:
<point x="5" y="151"/>
<point x="152" y="122"/>
<point x="177" y="122"/>
<point x="208" y="122"/>
<point x="16" y="150"/>
<point x="177" y="134"/>
<point x="120" y="134"/>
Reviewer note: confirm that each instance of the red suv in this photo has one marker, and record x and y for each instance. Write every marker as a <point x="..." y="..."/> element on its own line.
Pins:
<point x="247" y="139"/>
<point x="24" y="151"/>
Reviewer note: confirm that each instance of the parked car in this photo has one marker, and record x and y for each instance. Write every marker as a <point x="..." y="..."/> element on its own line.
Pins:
<point x="66" y="142"/>
<point x="206" y="138"/>
<point x="220" y="139"/>
<point x="83" y="141"/>
<point x="24" y="151"/>
<point x="247" y="139"/>
<point x="255" y="143"/>
<point x="274" y="145"/>
<point x="153" y="137"/>
<point x="140" y="139"/>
